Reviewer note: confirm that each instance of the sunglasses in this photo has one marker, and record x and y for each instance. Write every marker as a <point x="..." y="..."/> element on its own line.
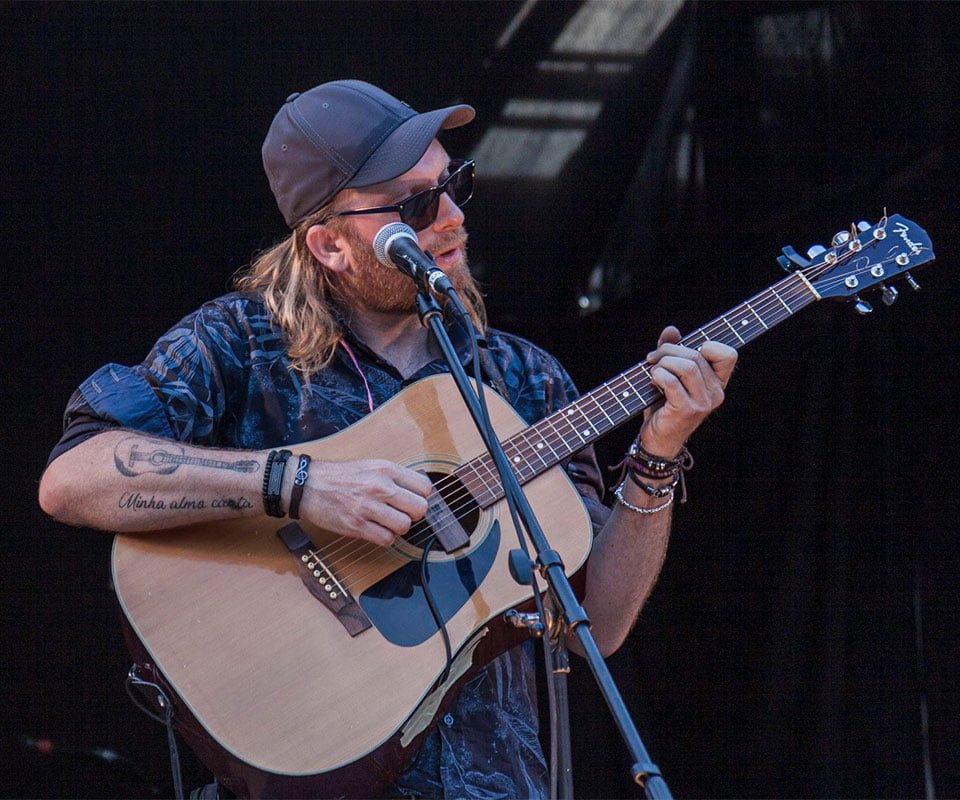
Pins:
<point x="420" y="209"/>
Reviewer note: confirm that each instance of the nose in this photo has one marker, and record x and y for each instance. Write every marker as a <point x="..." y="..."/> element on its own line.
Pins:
<point x="449" y="214"/>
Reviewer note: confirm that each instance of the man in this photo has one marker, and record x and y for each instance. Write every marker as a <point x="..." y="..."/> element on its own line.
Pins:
<point x="319" y="335"/>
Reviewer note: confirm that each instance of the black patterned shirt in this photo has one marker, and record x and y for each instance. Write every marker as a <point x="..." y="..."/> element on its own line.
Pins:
<point x="221" y="377"/>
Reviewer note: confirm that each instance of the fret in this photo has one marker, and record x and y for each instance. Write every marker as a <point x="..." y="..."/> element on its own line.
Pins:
<point x="773" y="291"/>
<point x="759" y="318"/>
<point x="733" y="330"/>
<point x="615" y="394"/>
<point x="535" y="449"/>
<point x="518" y="461"/>
<point x="595" y="399"/>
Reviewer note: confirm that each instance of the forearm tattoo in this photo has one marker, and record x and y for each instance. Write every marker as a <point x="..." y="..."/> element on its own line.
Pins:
<point x="135" y="455"/>
<point x="137" y="501"/>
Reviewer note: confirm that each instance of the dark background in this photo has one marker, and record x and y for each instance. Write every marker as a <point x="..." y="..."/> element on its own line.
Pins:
<point x="806" y="621"/>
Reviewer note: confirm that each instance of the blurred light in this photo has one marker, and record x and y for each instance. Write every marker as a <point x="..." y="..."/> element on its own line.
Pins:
<point x="525" y="152"/>
<point x="616" y="27"/>
<point x="515" y="24"/>
<point x="566" y="110"/>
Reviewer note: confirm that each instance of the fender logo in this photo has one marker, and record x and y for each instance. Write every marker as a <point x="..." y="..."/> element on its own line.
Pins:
<point x="901" y="230"/>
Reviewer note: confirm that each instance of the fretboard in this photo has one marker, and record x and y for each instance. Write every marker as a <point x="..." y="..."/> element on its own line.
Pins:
<point x="563" y="433"/>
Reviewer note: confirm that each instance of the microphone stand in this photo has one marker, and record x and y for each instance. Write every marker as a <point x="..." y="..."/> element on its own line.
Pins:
<point x="548" y="562"/>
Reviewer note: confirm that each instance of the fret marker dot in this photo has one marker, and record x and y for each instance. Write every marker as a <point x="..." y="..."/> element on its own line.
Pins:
<point x="625" y="394"/>
<point x="569" y="412"/>
<point x="516" y="459"/>
<point x="540" y="446"/>
<point x="743" y="322"/>
<point x="586" y="431"/>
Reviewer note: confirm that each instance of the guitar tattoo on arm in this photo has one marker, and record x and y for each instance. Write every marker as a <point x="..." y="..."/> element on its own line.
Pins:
<point x="136" y="456"/>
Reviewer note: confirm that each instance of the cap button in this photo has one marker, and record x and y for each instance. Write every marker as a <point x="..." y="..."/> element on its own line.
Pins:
<point x="292" y="97"/>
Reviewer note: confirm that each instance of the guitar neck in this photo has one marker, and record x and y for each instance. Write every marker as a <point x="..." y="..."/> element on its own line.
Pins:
<point x="625" y="396"/>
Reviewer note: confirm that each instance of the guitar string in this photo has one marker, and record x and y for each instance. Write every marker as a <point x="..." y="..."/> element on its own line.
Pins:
<point x="471" y="504"/>
<point x="793" y="294"/>
<point x="465" y="502"/>
<point x="722" y="321"/>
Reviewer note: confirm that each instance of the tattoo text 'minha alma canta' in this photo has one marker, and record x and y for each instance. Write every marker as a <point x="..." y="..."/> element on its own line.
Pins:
<point x="136" y="501"/>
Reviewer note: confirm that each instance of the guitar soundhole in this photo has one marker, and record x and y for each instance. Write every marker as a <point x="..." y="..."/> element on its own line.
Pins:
<point x="464" y="509"/>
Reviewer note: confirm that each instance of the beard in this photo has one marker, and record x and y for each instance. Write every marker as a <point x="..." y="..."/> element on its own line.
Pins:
<point x="378" y="288"/>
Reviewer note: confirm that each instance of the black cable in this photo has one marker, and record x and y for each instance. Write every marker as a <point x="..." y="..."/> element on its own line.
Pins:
<point x="929" y="786"/>
<point x="552" y="703"/>
<point x="134" y="679"/>
<point x="437" y="616"/>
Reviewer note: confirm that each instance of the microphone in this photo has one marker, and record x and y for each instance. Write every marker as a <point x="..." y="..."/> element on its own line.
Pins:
<point x="396" y="245"/>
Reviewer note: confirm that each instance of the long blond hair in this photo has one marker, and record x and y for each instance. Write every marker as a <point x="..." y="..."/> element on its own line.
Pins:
<point x="303" y="299"/>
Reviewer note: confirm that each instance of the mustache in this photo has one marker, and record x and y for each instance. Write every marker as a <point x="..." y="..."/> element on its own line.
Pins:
<point x="448" y="240"/>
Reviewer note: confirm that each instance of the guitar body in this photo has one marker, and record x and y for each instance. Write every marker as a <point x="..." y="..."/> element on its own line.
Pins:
<point x="271" y="689"/>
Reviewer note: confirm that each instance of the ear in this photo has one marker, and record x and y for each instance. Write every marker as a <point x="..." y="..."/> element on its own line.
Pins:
<point x="329" y="247"/>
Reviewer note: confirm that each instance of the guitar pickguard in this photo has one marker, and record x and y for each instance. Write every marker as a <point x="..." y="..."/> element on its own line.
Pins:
<point x="398" y="607"/>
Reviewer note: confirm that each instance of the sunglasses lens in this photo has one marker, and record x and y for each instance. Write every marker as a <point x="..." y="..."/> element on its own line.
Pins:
<point x="460" y="187"/>
<point x="420" y="210"/>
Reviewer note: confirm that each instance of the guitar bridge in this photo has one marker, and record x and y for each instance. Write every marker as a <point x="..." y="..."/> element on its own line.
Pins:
<point x="321" y="581"/>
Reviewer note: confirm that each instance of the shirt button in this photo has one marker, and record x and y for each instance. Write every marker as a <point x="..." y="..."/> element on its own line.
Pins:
<point x="448" y="720"/>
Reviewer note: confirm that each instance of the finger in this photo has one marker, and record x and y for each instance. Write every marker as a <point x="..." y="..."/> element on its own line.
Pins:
<point x="708" y="371"/>
<point x="687" y="374"/>
<point x="412" y="481"/>
<point x="395" y="521"/>
<point x="669" y="335"/>
<point x="414" y="506"/>
<point x="374" y="532"/>
<point x="722" y="358"/>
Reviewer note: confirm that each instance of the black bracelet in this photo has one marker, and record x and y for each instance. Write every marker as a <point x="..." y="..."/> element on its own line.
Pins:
<point x="654" y="491"/>
<point x="303" y="469"/>
<point x="273" y="481"/>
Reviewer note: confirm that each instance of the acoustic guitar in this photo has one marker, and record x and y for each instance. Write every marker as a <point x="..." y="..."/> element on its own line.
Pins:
<point x="305" y="664"/>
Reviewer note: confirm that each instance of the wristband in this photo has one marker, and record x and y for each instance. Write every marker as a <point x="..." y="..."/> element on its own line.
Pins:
<point x="654" y="491"/>
<point x="299" y="481"/>
<point x="273" y="481"/>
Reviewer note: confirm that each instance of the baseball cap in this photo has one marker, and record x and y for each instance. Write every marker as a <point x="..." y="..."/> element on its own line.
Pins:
<point x="345" y="133"/>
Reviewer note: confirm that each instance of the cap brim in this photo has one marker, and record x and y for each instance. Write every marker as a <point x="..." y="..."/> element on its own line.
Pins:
<point x="406" y="145"/>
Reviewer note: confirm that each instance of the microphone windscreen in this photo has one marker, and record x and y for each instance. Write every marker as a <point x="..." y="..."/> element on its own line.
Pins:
<point x="388" y="233"/>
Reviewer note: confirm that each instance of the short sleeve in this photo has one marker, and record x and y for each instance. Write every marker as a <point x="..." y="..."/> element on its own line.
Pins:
<point x="180" y="391"/>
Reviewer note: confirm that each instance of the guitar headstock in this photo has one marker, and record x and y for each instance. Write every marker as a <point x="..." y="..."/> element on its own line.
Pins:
<point x="863" y="258"/>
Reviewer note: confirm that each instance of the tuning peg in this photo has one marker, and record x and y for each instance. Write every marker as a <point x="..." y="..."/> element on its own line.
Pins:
<point x="839" y="238"/>
<point x="889" y="295"/>
<point x="862" y="306"/>
<point x="863" y="225"/>
<point x="912" y="282"/>
<point x="816" y="250"/>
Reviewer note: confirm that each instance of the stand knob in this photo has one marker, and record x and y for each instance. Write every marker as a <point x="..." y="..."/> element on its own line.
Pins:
<point x="531" y="622"/>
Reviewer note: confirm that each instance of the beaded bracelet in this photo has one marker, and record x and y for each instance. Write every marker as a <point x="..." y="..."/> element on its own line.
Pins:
<point x="273" y="481"/>
<point x="618" y="493"/>
<point x="299" y="481"/>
